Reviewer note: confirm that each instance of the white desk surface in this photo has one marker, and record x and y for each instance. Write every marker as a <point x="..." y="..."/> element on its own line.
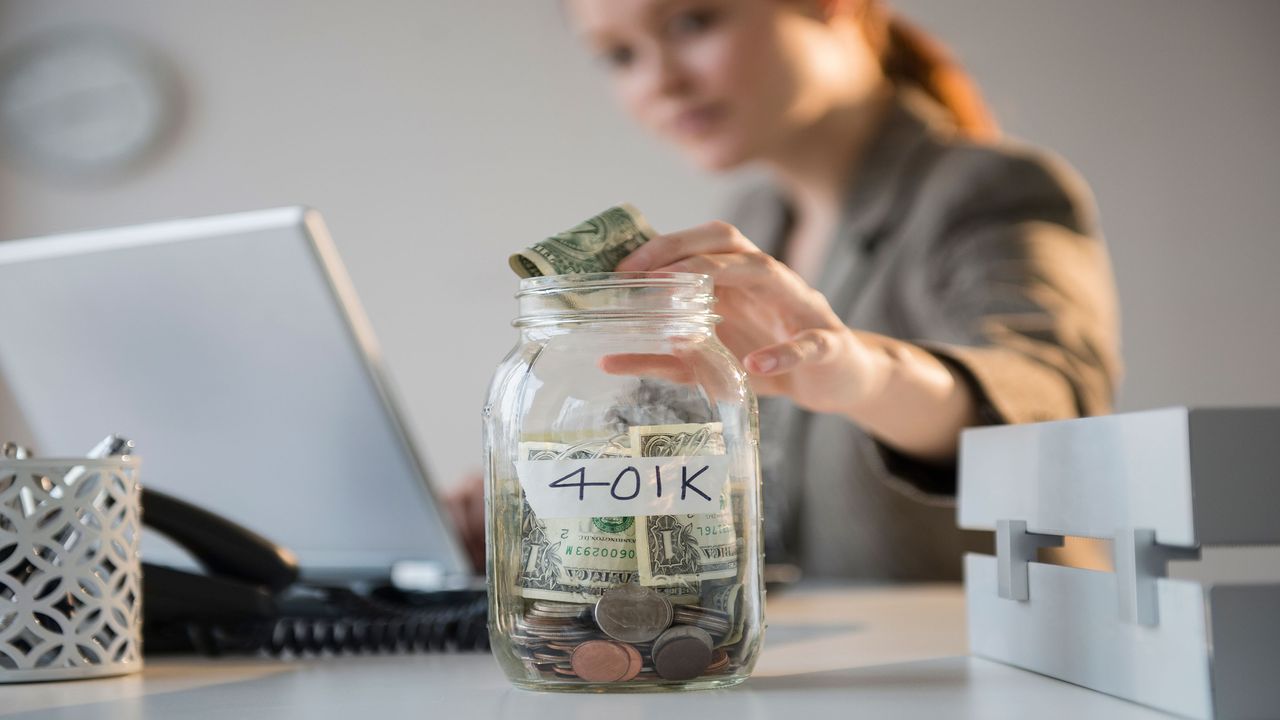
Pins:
<point x="839" y="652"/>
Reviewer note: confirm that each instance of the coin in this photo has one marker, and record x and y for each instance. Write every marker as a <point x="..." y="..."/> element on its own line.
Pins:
<point x="540" y="629"/>
<point x="549" y="622"/>
<point x="678" y="632"/>
<point x="548" y="609"/>
<point x="699" y="611"/>
<point x="561" y="610"/>
<point x="543" y="656"/>
<point x="637" y="662"/>
<point x="601" y="661"/>
<point x="633" y="613"/>
<point x="713" y="621"/>
<point x="719" y="662"/>
<point x="682" y="653"/>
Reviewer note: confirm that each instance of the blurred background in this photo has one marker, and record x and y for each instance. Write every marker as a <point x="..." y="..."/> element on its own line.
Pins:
<point x="438" y="137"/>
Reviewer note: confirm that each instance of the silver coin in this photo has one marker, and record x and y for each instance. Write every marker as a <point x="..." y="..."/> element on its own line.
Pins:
<point x="548" y="621"/>
<point x="559" y="612"/>
<point x="710" y="621"/>
<point x="556" y="608"/>
<point x="680" y="632"/>
<point x="691" y="618"/>
<point x="533" y="625"/>
<point x="633" y="613"/>
<point x="682" y="653"/>
<point x="562" y="636"/>
<point x="545" y="656"/>
<point x="709" y="627"/>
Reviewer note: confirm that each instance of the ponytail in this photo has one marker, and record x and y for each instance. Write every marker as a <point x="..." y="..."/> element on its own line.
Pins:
<point x="912" y="57"/>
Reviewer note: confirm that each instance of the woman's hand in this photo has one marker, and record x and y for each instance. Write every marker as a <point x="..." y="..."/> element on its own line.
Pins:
<point x="789" y="339"/>
<point x="465" y="504"/>
<point x="792" y="343"/>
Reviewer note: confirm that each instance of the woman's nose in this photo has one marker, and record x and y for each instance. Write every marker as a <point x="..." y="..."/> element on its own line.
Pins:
<point x="666" y="74"/>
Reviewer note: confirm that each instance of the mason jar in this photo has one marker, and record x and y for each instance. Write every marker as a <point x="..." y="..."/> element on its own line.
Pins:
<point x="622" y="490"/>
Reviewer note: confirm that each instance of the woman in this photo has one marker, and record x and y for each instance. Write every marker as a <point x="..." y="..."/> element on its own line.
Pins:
<point x="904" y="275"/>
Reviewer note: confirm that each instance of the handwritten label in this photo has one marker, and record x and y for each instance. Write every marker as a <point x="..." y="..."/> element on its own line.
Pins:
<point x="604" y="487"/>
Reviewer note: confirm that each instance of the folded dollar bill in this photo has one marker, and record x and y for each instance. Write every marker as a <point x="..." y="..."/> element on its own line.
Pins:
<point x="598" y="244"/>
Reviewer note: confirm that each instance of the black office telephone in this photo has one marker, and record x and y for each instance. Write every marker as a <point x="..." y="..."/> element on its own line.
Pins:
<point x="250" y="600"/>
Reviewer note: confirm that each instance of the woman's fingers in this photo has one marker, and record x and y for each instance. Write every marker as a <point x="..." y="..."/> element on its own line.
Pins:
<point x="466" y="505"/>
<point x="808" y="347"/>
<point x="694" y="363"/>
<point x="708" y="238"/>
<point x="666" y="367"/>
<point x="765" y="280"/>
<point x="746" y="271"/>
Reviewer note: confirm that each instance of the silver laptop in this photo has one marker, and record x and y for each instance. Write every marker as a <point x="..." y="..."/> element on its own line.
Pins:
<point x="233" y="351"/>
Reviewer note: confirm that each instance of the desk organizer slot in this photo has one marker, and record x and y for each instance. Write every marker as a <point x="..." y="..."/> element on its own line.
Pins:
<point x="1162" y="485"/>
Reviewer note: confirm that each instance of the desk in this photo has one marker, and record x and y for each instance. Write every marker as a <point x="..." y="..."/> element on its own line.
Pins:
<point x="829" y="652"/>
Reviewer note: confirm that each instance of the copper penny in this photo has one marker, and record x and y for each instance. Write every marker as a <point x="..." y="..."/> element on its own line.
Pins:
<point x="719" y="661"/>
<point x="637" y="662"/>
<point x="601" y="661"/>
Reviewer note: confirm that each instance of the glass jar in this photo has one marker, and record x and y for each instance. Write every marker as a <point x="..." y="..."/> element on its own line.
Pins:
<point x="622" y="490"/>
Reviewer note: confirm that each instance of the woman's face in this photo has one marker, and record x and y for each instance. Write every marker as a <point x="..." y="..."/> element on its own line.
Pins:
<point x="728" y="81"/>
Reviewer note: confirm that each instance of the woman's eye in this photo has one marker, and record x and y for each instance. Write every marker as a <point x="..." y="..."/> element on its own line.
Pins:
<point x="618" y="57"/>
<point x="692" y="22"/>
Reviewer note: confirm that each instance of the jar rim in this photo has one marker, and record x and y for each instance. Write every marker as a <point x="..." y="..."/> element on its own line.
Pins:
<point x="616" y="296"/>
<point x="611" y="280"/>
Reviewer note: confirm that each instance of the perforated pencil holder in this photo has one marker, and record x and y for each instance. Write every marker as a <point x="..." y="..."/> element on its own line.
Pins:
<point x="70" y="577"/>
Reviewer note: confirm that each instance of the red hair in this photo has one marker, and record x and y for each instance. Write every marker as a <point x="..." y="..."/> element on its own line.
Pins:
<point x="910" y="56"/>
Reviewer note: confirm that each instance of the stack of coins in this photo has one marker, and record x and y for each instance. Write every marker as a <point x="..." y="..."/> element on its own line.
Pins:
<point x="549" y="632"/>
<point x="606" y="661"/>
<point x="715" y="622"/>
<point x="631" y="633"/>
<point x="719" y="662"/>
<point x="549" y="609"/>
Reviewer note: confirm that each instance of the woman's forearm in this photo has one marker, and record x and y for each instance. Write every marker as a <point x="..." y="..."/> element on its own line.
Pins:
<point x="917" y="405"/>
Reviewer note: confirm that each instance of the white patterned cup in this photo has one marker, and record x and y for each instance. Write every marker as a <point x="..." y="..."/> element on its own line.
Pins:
<point x="70" y="577"/>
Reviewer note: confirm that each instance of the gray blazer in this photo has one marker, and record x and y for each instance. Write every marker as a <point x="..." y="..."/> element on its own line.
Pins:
<point x="988" y="256"/>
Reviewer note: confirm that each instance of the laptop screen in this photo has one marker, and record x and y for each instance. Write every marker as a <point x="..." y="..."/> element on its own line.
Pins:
<point x="231" y="350"/>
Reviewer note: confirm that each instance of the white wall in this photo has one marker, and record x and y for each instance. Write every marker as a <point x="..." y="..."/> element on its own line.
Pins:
<point x="438" y="136"/>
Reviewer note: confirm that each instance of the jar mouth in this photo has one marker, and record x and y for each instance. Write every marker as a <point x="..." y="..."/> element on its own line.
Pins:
<point x="614" y="280"/>
<point x="616" y="296"/>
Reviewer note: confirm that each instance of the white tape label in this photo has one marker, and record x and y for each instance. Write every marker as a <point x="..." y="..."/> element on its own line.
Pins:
<point x="613" y="487"/>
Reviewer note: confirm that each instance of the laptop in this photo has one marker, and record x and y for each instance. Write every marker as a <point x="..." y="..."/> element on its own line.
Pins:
<point x="232" y="350"/>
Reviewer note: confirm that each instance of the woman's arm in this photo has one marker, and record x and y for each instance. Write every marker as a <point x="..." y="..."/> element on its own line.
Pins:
<point x="792" y="343"/>
<point x="921" y="406"/>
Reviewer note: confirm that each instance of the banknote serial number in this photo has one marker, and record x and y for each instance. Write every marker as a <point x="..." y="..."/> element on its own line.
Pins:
<point x="580" y="551"/>
<point x="629" y="482"/>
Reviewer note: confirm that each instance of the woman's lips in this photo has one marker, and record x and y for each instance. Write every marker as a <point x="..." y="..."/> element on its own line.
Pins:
<point x="697" y="121"/>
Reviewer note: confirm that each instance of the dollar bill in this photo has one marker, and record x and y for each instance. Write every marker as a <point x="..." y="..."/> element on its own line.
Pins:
<point x="573" y="559"/>
<point x="577" y="559"/>
<point x="683" y="550"/>
<point x="726" y="596"/>
<point x="598" y="244"/>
